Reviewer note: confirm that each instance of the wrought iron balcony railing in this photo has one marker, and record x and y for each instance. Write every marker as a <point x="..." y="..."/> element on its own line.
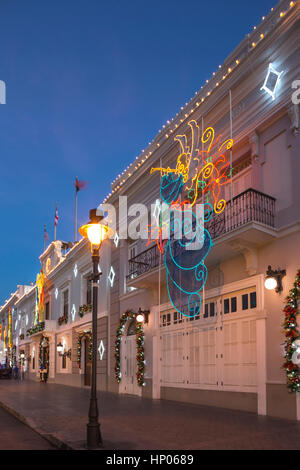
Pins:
<point x="249" y="206"/>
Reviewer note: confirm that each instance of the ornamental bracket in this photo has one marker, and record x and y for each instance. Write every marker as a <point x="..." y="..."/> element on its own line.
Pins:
<point x="250" y="254"/>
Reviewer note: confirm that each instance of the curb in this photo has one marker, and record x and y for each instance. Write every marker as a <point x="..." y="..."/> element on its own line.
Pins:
<point x="53" y="440"/>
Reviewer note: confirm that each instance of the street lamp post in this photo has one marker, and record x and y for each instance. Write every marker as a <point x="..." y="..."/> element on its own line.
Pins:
<point x="96" y="233"/>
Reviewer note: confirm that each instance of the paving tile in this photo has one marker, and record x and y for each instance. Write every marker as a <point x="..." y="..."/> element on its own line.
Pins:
<point x="135" y="423"/>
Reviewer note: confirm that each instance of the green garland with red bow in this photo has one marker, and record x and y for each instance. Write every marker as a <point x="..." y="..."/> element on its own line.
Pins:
<point x="291" y="334"/>
<point x="140" y="355"/>
<point x="88" y="337"/>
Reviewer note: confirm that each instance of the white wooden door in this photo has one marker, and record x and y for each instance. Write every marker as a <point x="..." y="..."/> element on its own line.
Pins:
<point x="217" y="351"/>
<point x="173" y="359"/>
<point x="130" y="366"/>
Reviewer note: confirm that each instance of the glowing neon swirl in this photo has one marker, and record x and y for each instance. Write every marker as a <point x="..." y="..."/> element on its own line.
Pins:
<point x="195" y="169"/>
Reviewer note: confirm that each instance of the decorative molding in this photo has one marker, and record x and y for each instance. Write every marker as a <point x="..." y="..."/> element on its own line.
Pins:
<point x="294" y="115"/>
<point x="249" y="253"/>
<point x="254" y="145"/>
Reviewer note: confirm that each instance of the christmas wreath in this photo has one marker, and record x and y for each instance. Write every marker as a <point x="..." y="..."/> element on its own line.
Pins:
<point x="140" y="355"/>
<point x="291" y="335"/>
<point x="88" y="336"/>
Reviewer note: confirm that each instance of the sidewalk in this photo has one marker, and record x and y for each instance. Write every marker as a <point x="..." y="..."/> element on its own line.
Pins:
<point x="60" y="412"/>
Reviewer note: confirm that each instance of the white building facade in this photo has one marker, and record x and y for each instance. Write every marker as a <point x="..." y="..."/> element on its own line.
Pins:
<point x="231" y="353"/>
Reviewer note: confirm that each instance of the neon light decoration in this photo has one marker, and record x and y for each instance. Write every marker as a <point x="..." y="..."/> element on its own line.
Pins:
<point x="116" y="239"/>
<point x="73" y="312"/>
<point x="186" y="271"/>
<point x="111" y="276"/>
<point x="195" y="168"/>
<point x="40" y="297"/>
<point x="101" y="350"/>
<point x="271" y="81"/>
<point x="197" y="173"/>
<point x="75" y="270"/>
<point x="9" y="328"/>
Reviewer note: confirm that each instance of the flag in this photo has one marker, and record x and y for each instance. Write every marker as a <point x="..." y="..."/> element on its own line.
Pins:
<point x="79" y="184"/>
<point x="46" y="237"/>
<point x="56" y="218"/>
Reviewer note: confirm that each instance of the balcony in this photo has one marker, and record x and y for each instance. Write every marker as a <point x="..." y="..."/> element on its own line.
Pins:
<point x="249" y="206"/>
<point x="250" y="218"/>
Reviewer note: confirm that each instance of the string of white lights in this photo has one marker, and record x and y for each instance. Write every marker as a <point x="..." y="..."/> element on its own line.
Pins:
<point x="218" y="77"/>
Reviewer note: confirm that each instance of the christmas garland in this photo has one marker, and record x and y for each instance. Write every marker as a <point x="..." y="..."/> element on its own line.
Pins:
<point x="44" y="358"/>
<point x="36" y="328"/>
<point x="83" y="309"/>
<point x="140" y="355"/>
<point x="88" y="335"/>
<point x="63" y="319"/>
<point x="13" y="355"/>
<point x="291" y="334"/>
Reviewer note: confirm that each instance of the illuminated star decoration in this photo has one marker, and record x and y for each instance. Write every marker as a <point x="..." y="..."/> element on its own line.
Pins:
<point x="75" y="270"/>
<point x="111" y="276"/>
<point x="101" y="350"/>
<point x="73" y="312"/>
<point x="116" y="239"/>
<point x="271" y="81"/>
<point x="56" y="293"/>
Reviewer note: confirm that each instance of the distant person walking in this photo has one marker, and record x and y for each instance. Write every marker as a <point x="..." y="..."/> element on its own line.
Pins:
<point x="16" y="372"/>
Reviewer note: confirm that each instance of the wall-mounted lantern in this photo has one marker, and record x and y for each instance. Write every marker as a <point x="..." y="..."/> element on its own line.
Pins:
<point x="60" y="349"/>
<point x="274" y="279"/>
<point x="142" y="316"/>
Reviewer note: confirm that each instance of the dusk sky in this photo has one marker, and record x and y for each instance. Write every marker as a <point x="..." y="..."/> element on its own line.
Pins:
<point x="89" y="84"/>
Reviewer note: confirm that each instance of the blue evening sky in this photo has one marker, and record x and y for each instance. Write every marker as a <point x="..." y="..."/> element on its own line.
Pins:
<point x="89" y="84"/>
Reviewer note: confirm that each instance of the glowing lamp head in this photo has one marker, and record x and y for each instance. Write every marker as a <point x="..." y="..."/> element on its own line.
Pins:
<point x="270" y="283"/>
<point x="60" y="348"/>
<point x="94" y="231"/>
<point x="140" y="318"/>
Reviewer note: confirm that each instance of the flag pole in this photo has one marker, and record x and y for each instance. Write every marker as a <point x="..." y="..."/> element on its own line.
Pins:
<point x="55" y="222"/>
<point x="76" y="210"/>
<point x="44" y="237"/>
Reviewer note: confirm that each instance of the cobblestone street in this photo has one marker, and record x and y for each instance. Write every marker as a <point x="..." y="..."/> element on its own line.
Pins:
<point x="133" y="423"/>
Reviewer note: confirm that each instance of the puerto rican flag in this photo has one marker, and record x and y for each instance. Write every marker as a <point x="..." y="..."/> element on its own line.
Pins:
<point x="56" y="218"/>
